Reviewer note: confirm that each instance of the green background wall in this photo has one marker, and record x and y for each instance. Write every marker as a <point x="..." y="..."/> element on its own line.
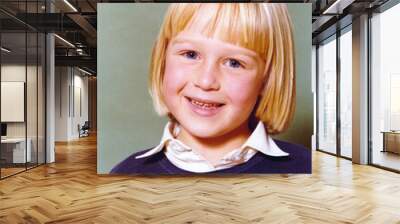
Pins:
<point x="126" y="120"/>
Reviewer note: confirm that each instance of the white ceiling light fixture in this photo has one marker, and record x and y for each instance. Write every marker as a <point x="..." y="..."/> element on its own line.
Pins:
<point x="337" y="7"/>
<point x="79" y="51"/>
<point x="84" y="71"/>
<point x="65" y="41"/>
<point x="70" y="5"/>
<point x="5" y="50"/>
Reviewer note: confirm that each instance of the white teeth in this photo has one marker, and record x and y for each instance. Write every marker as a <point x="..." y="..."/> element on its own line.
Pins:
<point x="204" y="105"/>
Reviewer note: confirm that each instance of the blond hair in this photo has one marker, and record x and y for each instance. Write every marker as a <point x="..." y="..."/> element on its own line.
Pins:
<point x="262" y="27"/>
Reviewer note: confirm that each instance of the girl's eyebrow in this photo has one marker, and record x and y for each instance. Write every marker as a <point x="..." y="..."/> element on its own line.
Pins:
<point x="181" y="40"/>
<point x="189" y="40"/>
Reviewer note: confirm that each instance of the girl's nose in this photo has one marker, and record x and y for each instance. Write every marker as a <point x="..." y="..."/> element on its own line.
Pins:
<point x="206" y="77"/>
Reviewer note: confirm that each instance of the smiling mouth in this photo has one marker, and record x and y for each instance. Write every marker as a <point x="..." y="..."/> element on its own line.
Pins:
<point x="207" y="105"/>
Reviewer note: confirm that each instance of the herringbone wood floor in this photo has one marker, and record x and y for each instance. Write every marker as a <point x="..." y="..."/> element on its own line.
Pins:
<point x="70" y="191"/>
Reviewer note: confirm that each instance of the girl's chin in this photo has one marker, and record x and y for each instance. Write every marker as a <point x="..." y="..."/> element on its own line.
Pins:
<point x="204" y="132"/>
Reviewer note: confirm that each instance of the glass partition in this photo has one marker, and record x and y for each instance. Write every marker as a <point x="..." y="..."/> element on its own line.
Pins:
<point x="31" y="100"/>
<point x="327" y="96"/>
<point x="22" y="88"/>
<point x="14" y="153"/>
<point x="41" y="107"/>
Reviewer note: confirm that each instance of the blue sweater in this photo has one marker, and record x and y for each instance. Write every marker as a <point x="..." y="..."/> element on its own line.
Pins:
<point x="298" y="161"/>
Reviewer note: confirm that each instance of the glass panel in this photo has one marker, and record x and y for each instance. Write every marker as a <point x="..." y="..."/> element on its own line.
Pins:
<point x="346" y="94"/>
<point x="41" y="98"/>
<point x="13" y="87"/>
<point x="22" y="88"/>
<point x="31" y="101"/>
<point x="327" y="96"/>
<point x="386" y="89"/>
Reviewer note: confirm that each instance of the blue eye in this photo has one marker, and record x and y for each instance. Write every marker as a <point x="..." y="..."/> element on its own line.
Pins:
<point x="191" y="54"/>
<point x="234" y="63"/>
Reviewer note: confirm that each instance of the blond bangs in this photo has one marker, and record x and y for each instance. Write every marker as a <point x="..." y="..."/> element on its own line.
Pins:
<point x="250" y="31"/>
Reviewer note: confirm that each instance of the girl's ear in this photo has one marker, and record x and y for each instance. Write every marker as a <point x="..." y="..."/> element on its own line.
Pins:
<point x="171" y="117"/>
<point x="263" y="88"/>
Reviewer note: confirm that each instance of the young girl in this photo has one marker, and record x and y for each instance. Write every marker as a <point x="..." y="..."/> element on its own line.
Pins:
<point x="224" y="75"/>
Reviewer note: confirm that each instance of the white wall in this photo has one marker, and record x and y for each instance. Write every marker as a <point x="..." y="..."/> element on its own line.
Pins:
<point x="70" y="83"/>
<point x="80" y="84"/>
<point x="15" y="72"/>
<point x="62" y="81"/>
<point x="33" y="127"/>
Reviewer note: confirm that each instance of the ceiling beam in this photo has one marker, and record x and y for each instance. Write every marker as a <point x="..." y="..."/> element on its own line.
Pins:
<point x="85" y="61"/>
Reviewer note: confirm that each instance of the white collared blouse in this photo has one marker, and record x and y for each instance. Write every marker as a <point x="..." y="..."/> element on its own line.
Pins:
<point x="187" y="159"/>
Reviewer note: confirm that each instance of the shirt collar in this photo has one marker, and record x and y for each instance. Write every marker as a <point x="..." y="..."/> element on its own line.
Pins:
<point x="258" y="140"/>
<point x="262" y="142"/>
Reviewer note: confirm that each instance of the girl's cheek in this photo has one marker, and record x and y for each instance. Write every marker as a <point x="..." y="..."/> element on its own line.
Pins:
<point x="174" y="77"/>
<point x="244" y="91"/>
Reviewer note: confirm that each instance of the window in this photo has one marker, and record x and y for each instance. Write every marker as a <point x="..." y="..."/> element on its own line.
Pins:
<point x="346" y="93"/>
<point x="327" y="96"/>
<point x="385" y="89"/>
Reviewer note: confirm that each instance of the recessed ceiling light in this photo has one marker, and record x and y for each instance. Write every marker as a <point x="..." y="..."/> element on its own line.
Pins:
<point x="65" y="41"/>
<point x="5" y="50"/>
<point x="70" y="5"/>
<point x="337" y="7"/>
<point x="84" y="71"/>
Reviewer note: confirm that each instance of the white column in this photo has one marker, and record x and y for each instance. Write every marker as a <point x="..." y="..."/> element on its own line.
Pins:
<point x="360" y="90"/>
<point x="50" y="100"/>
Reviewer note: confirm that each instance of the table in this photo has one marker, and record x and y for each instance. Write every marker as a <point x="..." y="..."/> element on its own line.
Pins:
<point x="15" y="148"/>
<point x="391" y="141"/>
